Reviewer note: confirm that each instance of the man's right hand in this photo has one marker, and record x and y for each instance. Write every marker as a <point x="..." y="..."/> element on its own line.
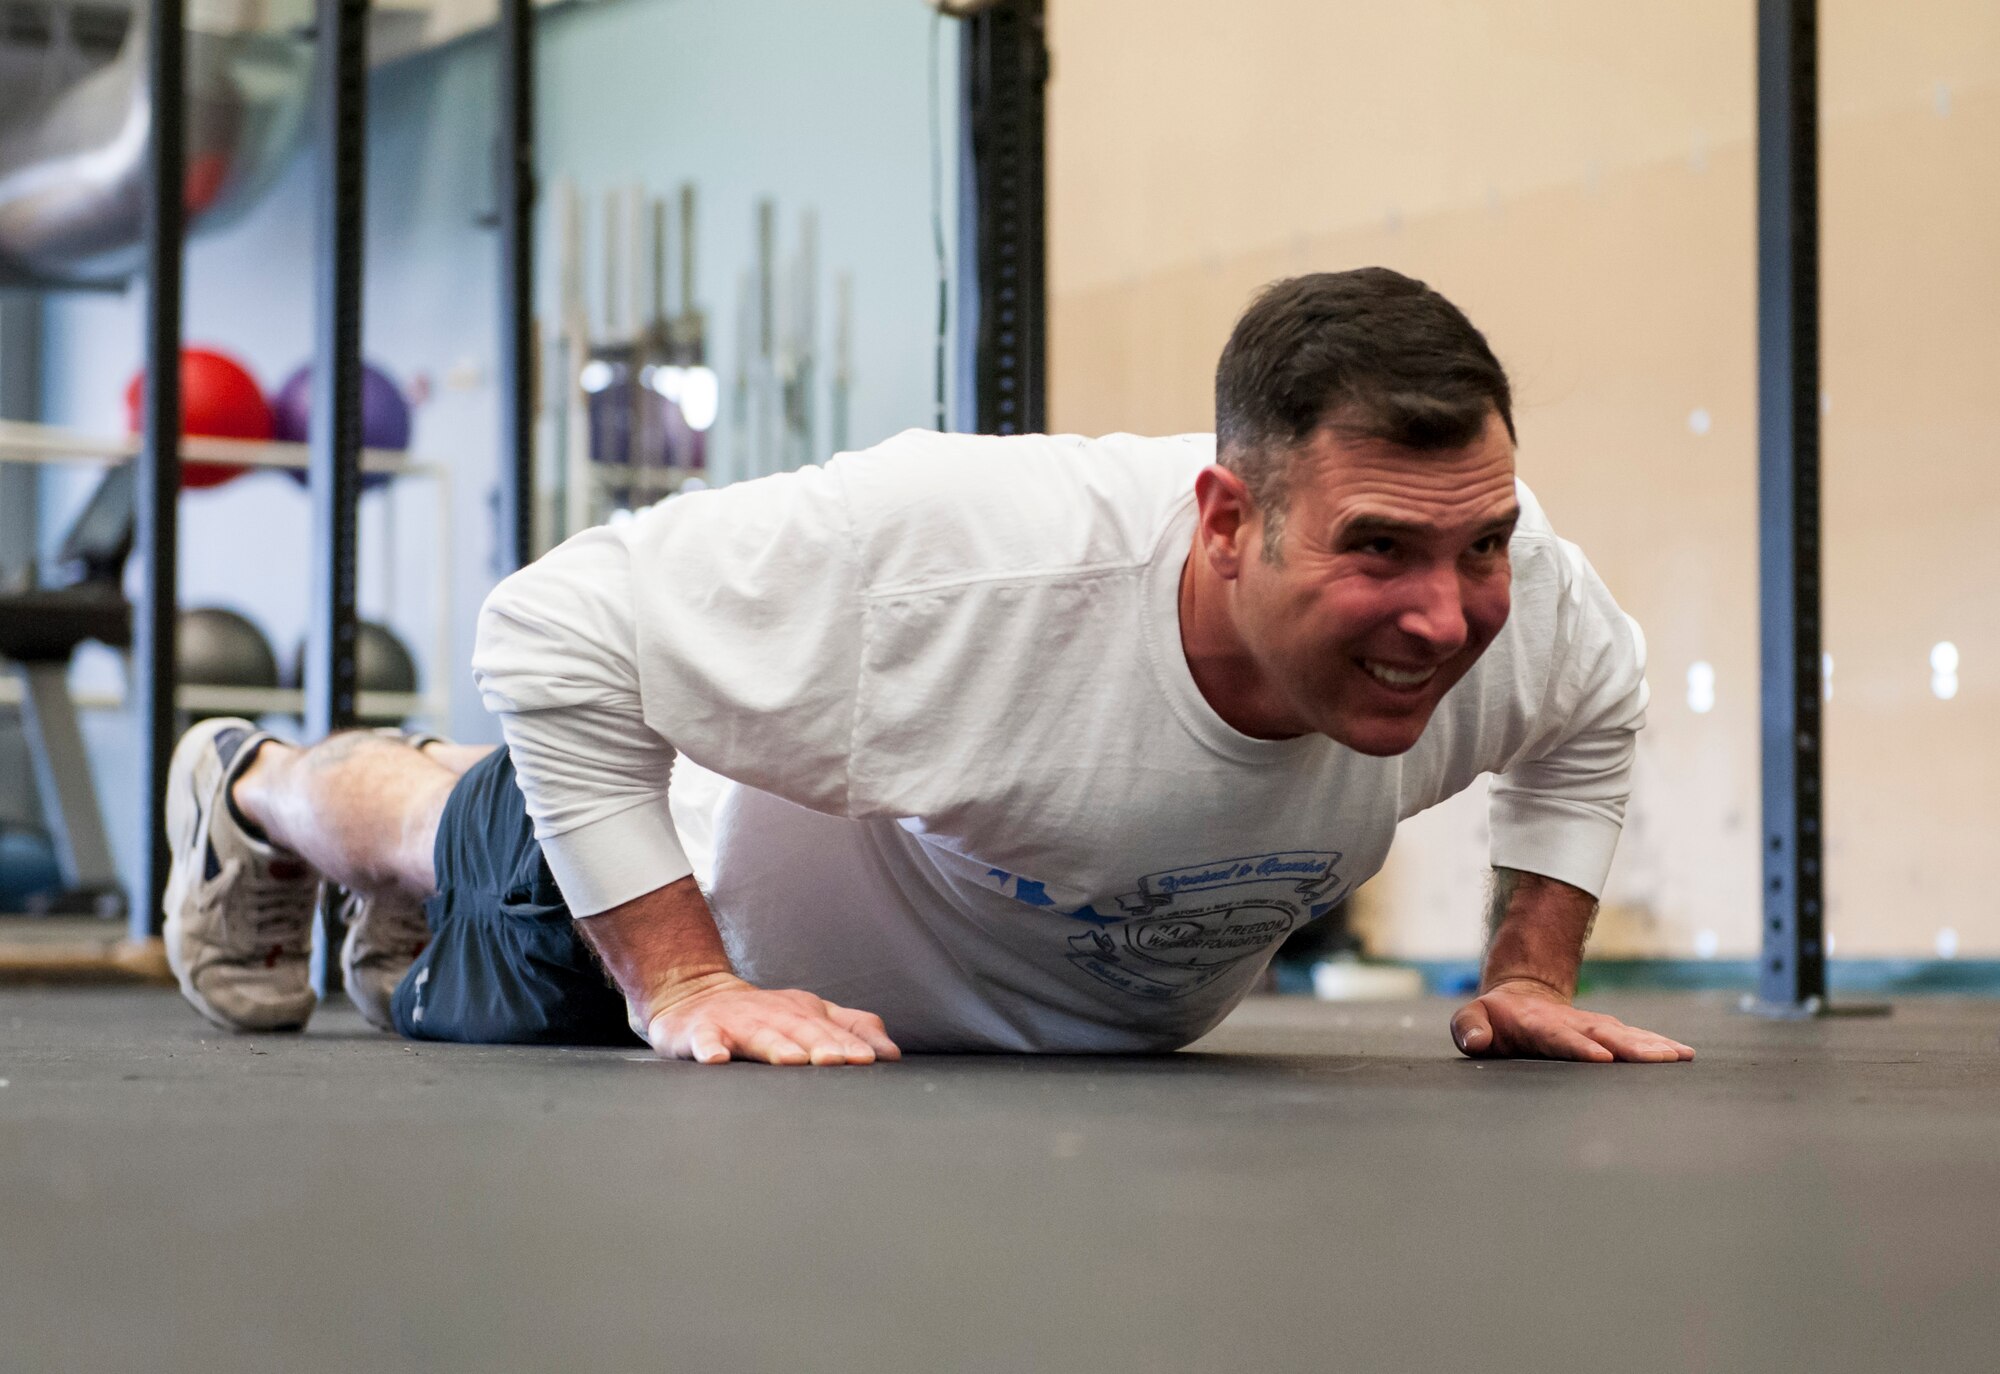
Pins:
<point x="665" y="954"/>
<point x="724" y="1018"/>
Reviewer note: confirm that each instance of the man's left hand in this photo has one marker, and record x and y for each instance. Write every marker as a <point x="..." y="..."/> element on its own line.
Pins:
<point x="1528" y="1020"/>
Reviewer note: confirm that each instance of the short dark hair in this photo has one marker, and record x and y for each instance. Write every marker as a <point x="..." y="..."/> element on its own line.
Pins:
<point x="1369" y="353"/>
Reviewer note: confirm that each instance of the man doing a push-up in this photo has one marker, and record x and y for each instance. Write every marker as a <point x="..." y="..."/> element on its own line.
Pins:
<point x="963" y="743"/>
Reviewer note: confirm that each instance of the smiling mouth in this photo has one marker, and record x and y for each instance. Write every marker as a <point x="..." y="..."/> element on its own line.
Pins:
<point x="1398" y="679"/>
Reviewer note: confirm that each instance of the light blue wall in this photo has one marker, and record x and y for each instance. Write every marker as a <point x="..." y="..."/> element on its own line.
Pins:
<point x="816" y="103"/>
<point x="820" y="104"/>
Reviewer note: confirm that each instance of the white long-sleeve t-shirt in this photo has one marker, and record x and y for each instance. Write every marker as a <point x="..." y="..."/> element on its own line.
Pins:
<point x="920" y="723"/>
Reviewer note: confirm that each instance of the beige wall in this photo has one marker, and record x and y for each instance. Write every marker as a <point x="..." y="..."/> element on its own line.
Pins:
<point x="1578" y="175"/>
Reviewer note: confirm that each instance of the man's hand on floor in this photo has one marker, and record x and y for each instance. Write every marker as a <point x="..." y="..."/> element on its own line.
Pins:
<point x="726" y="1018"/>
<point x="663" y="951"/>
<point x="1528" y="1020"/>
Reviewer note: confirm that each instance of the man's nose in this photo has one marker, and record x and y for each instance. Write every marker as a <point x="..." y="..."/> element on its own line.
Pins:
<point x="1436" y="613"/>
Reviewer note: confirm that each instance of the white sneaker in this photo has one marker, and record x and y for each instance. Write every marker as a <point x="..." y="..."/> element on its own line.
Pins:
<point x="239" y="910"/>
<point x="384" y="937"/>
<point x="384" y="934"/>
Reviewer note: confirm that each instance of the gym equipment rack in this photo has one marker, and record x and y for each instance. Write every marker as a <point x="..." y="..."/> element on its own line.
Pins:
<point x="1003" y="75"/>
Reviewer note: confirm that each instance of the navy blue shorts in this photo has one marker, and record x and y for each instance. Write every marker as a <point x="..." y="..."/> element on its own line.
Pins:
<point x="505" y="964"/>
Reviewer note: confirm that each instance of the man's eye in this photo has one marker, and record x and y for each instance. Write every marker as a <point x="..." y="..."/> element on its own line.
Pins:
<point x="1490" y="545"/>
<point x="1381" y="548"/>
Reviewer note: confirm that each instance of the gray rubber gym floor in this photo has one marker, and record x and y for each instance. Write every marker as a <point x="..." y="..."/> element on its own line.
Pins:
<point x="1313" y="1187"/>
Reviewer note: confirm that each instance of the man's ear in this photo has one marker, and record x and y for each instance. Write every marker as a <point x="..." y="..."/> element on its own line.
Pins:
<point x="1226" y="523"/>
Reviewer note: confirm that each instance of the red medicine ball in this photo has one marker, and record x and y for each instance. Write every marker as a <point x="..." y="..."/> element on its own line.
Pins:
<point x="219" y="400"/>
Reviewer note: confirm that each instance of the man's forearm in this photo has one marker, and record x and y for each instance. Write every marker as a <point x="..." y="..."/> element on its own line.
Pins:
<point x="1538" y="928"/>
<point x="659" y="947"/>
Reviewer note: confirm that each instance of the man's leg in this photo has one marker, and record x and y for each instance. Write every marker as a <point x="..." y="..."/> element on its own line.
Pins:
<point x="254" y="823"/>
<point x="360" y="808"/>
<point x="505" y="963"/>
<point x="325" y="804"/>
<point x="492" y="956"/>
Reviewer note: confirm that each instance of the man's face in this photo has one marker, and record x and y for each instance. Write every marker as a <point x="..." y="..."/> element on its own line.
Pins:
<point x="1392" y="579"/>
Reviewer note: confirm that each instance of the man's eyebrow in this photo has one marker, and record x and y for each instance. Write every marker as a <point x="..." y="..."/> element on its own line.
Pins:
<point x="1377" y="525"/>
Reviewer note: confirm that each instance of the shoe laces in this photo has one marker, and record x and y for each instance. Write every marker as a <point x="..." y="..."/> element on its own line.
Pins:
<point x="276" y="905"/>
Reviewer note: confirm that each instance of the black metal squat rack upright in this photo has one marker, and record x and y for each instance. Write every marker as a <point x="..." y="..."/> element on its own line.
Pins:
<point x="156" y="530"/>
<point x="1791" y="973"/>
<point x="1005" y="69"/>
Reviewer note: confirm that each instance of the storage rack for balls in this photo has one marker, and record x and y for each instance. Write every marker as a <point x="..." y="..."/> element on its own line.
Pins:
<point x="49" y="445"/>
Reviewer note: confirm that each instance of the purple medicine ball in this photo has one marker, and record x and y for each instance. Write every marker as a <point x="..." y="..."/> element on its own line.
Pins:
<point x="385" y="415"/>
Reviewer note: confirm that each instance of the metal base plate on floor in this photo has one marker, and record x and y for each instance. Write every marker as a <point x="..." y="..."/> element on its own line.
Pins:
<point x="1812" y="1009"/>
